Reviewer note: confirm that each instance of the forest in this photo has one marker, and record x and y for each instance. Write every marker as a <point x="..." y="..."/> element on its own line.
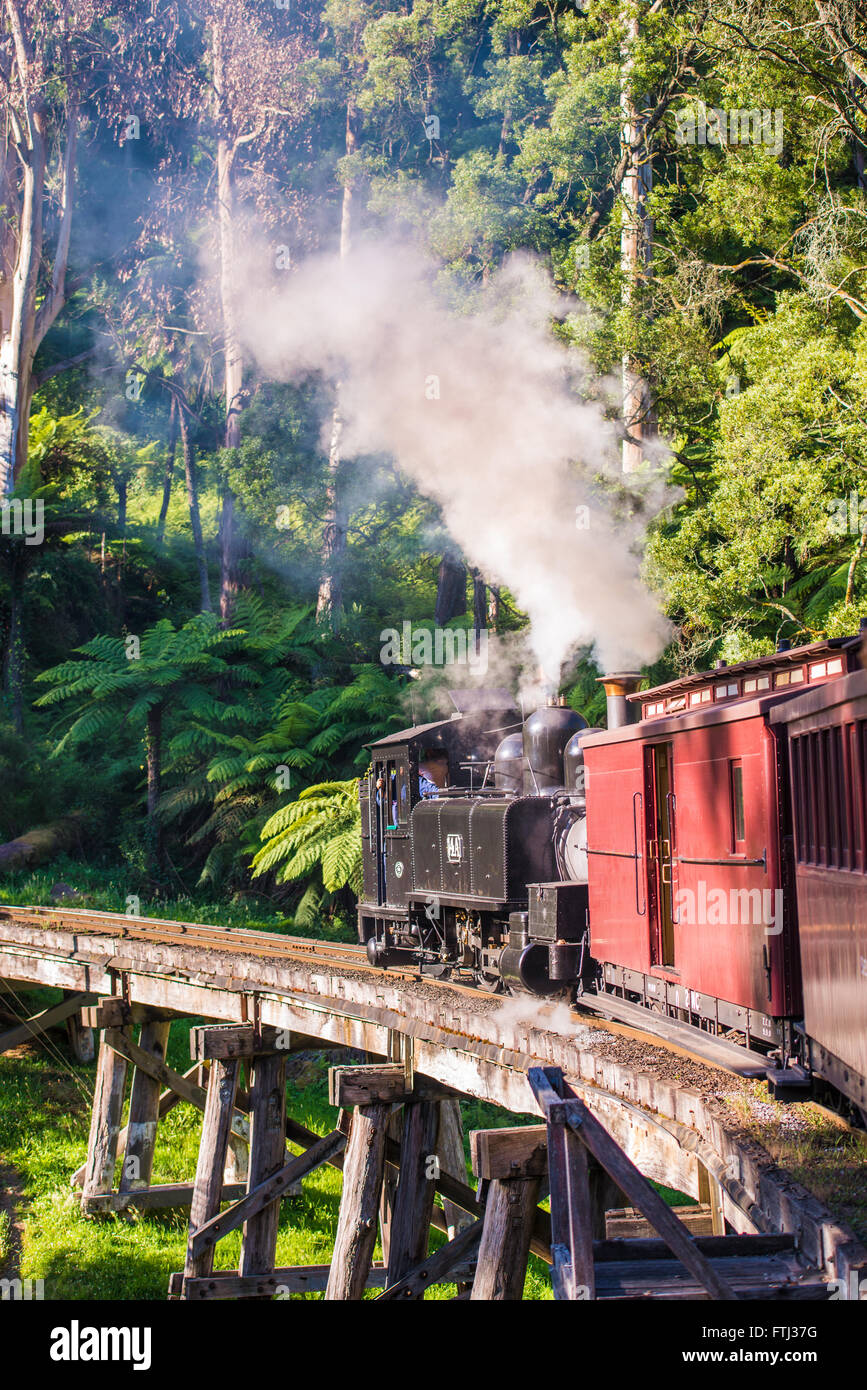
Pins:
<point x="332" y="330"/>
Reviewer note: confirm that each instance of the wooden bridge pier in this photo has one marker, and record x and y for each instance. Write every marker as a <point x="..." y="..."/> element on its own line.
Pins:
<point x="398" y="1142"/>
<point x="121" y="1058"/>
<point x="487" y="1251"/>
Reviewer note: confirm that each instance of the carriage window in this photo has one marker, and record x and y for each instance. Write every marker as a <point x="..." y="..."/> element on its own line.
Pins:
<point x="836" y="799"/>
<point x="402" y="795"/>
<point x="859" y="789"/>
<point x="799" y="798"/>
<point x="737" y="796"/>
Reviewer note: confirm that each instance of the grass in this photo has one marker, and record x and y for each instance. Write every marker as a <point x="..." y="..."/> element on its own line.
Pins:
<point x="103" y="889"/>
<point x="815" y="1147"/>
<point x="44" y="1120"/>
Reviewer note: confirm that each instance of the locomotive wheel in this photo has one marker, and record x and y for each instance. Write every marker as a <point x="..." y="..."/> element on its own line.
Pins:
<point x="491" y="984"/>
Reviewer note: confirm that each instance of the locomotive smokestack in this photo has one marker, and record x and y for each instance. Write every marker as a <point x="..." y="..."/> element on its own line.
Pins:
<point x="617" y="686"/>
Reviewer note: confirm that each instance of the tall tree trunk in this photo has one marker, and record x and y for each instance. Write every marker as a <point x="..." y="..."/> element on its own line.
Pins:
<point x="168" y="477"/>
<point x="121" y="486"/>
<point x="636" y="235"/>
<point x="14" y="657"/>
<point x="329" y="601"/>
<point x="230" y="547"/>
<point x="451" y="599"/>
<point x="22" y="192"/>
<point x="494" y="607"/>
<point x="153" y="753"/>
<point x="18" y="312"/>
<point x="193" y="502"/>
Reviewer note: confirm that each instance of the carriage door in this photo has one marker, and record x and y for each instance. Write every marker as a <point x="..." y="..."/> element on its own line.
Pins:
<point x="658" y="776"/>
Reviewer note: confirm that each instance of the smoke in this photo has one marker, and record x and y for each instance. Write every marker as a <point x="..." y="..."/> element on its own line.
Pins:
<point x="480" y="405"/>
<point x="523" y="1011"/>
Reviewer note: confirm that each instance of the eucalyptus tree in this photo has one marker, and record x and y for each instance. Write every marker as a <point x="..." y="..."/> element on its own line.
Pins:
<point x="67" y="68"/>
<point x="252" y="56"/>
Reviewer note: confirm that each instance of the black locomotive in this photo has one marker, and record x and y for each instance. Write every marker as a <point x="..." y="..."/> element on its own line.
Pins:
<point x="474" y="846"/>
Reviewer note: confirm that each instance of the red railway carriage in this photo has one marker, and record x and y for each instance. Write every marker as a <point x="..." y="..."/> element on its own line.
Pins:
<point x="691" y="894"/>
<point x="826" y="731"/>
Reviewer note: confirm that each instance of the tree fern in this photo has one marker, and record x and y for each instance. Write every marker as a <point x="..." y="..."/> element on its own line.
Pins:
<point x="320" y="830"/>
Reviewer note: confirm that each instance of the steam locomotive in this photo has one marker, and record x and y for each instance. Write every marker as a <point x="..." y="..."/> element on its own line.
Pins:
<point x="705" y="861"/>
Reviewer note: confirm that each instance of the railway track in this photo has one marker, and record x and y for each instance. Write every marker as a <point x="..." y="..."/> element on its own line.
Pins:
<point x="237" y="940"/>
<point x="249" y="941"/>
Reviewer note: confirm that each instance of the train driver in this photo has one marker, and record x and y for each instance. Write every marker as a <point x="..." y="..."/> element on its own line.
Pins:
<point x="426" y="786"/>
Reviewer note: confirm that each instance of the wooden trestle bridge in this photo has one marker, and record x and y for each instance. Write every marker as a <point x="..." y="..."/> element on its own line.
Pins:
<point x="605" y="1127"/>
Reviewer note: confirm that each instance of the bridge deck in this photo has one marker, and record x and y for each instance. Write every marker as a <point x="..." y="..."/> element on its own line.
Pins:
<point x="661" y="1108"/>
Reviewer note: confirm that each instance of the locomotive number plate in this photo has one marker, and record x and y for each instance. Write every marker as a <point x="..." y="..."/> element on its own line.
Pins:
<point x="455" y="848"/>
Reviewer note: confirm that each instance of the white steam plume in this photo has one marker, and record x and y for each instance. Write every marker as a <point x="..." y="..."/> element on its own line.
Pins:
<point x="479" y="408"/>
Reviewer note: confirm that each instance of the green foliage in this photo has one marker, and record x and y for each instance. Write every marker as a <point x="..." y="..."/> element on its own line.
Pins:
<point x="322" y="829"/>
<point x="747" y="324"/>
<point x="754" y="551"/>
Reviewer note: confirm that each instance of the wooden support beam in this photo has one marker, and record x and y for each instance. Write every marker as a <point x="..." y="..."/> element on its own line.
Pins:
<point x="572" y="1273"/>
<point x="562" y="1107"/>
<point x="219" y="1110"/>
<point x="113" y="1012"/>
<point x="267" y="1153"/>
<point x="624" y="1248"/>
<point x="104" y="1123"/>
<point x="168" y="1100"/>
<point x="159" y="1197"/>
<point x="208" y="1232"/>
<point x="710" y="1192"/>
<point x="81" y="1040"/>
<point x="279" y="1284"/>
<point x="450" y="1147"/>
<point x="223" y="1040"/>
<point x="186" y="1089"/>
<point x="414" y="1197"/>
<point x="285" y="1280"/>
<point x="501" y="1266"/>
<point x="382" y="1081"/>
<point x="32" y="1027"/>
<point x="238" y="1160"/>
<point x="362" y="1184"/>
<point x="144" y="1103"/>
<point x="389" y="1186"/>
<point x="440" y="1267"/>
<point x="510" y="1153"/>
<point x="366" y="1085"/>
